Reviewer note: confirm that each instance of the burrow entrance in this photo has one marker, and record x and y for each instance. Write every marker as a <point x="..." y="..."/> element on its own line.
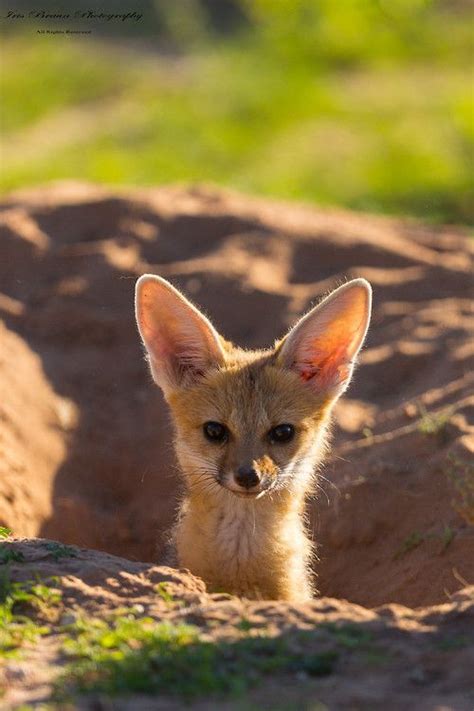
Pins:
<point x="86" y="452"/>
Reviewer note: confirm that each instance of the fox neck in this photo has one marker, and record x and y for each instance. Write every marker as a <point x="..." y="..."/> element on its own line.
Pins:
<point x="256" y="548"/>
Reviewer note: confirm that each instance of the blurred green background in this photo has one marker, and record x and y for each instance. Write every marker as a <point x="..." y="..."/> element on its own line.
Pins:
<point x="366" y="104"/>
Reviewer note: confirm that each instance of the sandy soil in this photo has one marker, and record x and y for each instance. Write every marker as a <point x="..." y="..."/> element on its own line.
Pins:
<point x="85" y="443"/>
<point x="416" y="659"/>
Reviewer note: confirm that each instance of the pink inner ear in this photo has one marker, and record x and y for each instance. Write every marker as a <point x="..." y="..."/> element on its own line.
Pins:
<point x="329" y="369"/>
<point x="327" y="366"/>
<point x="329" y="358"/>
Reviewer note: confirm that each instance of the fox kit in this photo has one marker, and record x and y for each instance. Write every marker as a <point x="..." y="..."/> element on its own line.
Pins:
<point x="250" y="432"/>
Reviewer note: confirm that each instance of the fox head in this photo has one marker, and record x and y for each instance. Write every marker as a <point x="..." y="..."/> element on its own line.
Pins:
<point x="250" y="422"/>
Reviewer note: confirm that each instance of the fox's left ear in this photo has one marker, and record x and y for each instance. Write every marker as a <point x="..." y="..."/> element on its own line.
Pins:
<point x="322" y="347"/>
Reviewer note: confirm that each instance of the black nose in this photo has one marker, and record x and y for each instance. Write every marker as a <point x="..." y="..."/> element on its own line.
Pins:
<point x="247" y="477"/>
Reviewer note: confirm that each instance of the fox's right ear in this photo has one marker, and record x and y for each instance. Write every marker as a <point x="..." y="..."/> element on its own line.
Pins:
<point x="181" y="343"/>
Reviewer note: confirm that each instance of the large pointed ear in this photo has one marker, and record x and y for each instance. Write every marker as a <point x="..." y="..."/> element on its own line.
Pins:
<point x="181" y="343"/>
<point x="322" y="347"/>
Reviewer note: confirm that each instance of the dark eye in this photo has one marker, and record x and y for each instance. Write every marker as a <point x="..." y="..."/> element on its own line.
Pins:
<point x="215" y="432"/>
<point x="281" y="433"/>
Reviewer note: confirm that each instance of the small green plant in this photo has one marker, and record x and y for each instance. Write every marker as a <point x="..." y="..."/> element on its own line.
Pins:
<point x="461" y="476"/>
<point x="376" y="656"/>
<point x="434" y="424"/>
<point x="447" y="536"/>
<point x="449" y="644"/>
<point x="349" y="635"/>
<point x="164" y="593"/>
<point x="8" y="554"/>
<point x="410" y="543"/>
<point x="19" y="602"/>
<point x="5" y="532"/>
<point x="135" y="610"/>
<point x="245" y="625"/>
<point x="60" y="550"/>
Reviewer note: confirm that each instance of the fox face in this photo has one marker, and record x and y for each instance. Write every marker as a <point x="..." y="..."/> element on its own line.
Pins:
<point x="250" y="422"/>
<point x="250" y="429"/>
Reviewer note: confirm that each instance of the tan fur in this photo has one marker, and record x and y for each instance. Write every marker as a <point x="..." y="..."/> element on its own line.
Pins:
<point x="251" y="545"/>
<point x="256" y="548"/>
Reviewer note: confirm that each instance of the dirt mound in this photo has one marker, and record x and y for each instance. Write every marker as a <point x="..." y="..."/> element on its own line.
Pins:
<point x="86" y="444"/>
<point x="349" y="657"/>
